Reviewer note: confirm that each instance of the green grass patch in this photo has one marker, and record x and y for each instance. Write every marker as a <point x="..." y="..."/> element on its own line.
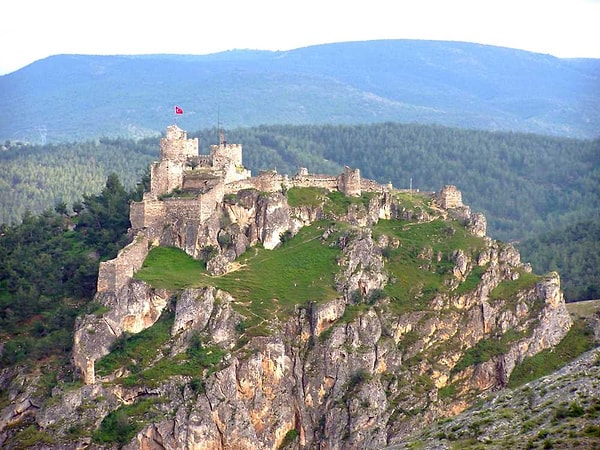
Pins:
<point x="472" y="280"/>
<point x="198" y="360"/>
<point x="170" y="268"/>
<point x="418" y="280"/>
<point x="338" y="203"/>
<point x="578" y="340"/>
<point x="305" y="196"/>
<point x="447" y="391"/>
<point x="584" y="309"/>
<point x="121" y="425"/>
<point x="506" y="289"/>
<point x="29" y="437"/>
<point x="483" y="351"/>
<point x="136" y="351"/>
<point x="413" y="201"/>
<point x="289" y="438"/>
<point x="486" y="349"/>
<point x="267" y="283"/>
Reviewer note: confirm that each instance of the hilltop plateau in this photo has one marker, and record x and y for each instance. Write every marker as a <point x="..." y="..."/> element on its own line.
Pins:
<point x="272" y="312"/>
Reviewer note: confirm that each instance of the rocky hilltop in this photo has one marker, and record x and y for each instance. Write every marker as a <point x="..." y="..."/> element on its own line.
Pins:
<point x="271" y="312"/>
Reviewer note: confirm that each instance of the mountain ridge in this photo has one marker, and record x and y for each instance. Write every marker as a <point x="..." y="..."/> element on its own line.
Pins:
<point x="73" y="97"/>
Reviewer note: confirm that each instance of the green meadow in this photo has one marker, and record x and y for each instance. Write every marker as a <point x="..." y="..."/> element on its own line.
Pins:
<point x="265" y="282"/>
<point x="418" y="278"/>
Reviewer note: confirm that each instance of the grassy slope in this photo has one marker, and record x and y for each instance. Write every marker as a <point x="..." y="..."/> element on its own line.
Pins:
<point x="266" y="283"/>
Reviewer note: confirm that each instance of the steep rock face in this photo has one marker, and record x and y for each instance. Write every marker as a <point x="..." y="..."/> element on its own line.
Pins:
<point x="249" y="218"/>
<point x="363" y="268"/>
<point x="349" y="385"/>
<point x="131" y="309"/>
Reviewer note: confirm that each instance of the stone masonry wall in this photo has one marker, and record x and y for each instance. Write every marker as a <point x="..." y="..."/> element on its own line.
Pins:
<point x="450" y="197"/>
<point x="175" y="146"/>
<point x="149" y="213"/>
<point x="199" y="208"/>
<point x="372" y="186"/>
<point x="349" y="182"/>
<point x="226" y="154"/>
<point x="264" y="182"/>
<point x="113" y="274"/>
<point x="165" y="176"/>
<point x="319" y="181"/>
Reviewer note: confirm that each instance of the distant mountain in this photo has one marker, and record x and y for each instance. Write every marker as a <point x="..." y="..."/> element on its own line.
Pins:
<point x="76" y="97"/>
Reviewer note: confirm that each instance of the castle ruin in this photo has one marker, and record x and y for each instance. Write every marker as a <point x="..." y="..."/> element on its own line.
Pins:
<point x="185" y="185"/>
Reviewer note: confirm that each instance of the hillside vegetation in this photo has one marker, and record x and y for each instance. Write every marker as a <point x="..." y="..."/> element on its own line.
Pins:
<point x="49" y="271"/>
<point x="77" y="97"/>
<point x="574" y="252"/>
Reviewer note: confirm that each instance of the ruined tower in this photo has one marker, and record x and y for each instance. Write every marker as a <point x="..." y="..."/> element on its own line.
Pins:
<point x="175" y="149"/>
<point x="349" y="182"/>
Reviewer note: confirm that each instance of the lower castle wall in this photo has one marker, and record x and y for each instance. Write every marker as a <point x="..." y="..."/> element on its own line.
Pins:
<point x="265" y="182"/>
<point x="373" y="186"/>
<point x="199" y="208"/>
<point x="113" y="274"/>
<point x="147" y="213"/>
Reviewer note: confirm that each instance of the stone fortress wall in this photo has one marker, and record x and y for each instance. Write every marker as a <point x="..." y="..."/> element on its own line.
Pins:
<point x="114" y="274"/>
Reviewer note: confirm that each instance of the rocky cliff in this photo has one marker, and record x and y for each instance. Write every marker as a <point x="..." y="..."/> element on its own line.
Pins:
<point x="414" y="313"/>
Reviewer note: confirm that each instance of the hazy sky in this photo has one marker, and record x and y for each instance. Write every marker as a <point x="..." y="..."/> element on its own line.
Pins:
<point x="35" y="29"/>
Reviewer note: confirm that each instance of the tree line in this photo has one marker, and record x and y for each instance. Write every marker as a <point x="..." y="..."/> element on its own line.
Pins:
<point x="50" y="267"/>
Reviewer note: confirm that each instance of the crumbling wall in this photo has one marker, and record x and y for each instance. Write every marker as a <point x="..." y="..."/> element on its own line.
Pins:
<point x="449" y="197"/>
<point x="266" y="181"/>
<point x="372" y="186"/>
<point x="113" y="274"/>
<point x="305" y="179"/>
<point x="349" y="182"/>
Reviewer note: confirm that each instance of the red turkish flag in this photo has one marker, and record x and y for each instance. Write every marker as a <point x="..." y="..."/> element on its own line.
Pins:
<point x="178" y="110"/>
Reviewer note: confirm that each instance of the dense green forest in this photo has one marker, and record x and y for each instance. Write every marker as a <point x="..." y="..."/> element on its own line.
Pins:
<point x="35" y="178"/>
<point x="49" y="271"/>
<point x="572" y="251"/>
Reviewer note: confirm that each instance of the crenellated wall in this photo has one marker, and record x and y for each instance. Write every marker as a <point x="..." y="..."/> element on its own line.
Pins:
<point x="225" y="154"/>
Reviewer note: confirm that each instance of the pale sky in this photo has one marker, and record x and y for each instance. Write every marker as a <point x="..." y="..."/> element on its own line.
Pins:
<point x="34" y="29"/>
